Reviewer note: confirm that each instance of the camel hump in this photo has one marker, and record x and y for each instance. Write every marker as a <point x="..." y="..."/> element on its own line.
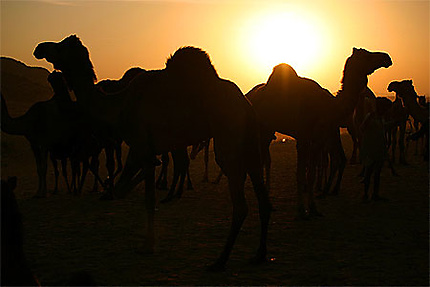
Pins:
<point x="116" y="86"/>
<point x="192" y="61"/>
<point x="130" y="74"/>
<point x="281" y="73"/>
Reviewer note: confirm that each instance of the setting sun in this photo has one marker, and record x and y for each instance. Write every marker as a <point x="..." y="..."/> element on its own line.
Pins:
<point x="284" y="37"/>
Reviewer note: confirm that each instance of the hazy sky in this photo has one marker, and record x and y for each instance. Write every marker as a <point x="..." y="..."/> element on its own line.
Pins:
<point x="245" y="39"/>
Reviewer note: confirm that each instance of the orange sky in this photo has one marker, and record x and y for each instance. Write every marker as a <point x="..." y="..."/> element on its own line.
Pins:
<point x="245" y="39"/>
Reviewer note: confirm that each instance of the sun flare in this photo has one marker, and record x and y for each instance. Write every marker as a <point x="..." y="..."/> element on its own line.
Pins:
<point x="284" y="37"/>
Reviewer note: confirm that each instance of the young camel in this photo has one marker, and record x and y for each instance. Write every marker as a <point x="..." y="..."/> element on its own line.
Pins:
<point x="199" y="105"/>
<point x="301" y="108"/>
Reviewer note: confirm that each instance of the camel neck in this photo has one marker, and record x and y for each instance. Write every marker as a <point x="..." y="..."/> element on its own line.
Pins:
<point x="414" y="108"/>
<point x="83" y="87"/>
<point x="347" y="99"/>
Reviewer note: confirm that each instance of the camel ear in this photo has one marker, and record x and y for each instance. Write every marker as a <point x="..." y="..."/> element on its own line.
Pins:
<point x="354" y="50"/>
<point x="410" y="82"/>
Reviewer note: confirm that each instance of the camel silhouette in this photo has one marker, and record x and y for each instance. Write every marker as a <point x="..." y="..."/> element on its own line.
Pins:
<point x="406" y="91"/>
<point x="111" y="142"/>
<point x="82" y="147"/>
<point x="61" y="152"/>
<point x="397" y="117"/>
<point x="418" y="134"/>
<point x="200" y="105"/>
<point x="47" y="125"/>
<point x="301" y="108"/>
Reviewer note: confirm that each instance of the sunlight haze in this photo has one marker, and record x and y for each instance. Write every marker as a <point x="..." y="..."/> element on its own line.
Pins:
<point x="244" y="39"/>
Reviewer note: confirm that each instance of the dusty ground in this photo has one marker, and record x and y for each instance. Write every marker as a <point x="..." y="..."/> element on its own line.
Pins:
<point x="379" y="243"/>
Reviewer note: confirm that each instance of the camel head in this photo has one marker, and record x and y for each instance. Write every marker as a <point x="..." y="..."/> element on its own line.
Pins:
<point x="403" y="89"/>
<point x="366" y="62"/>
<point x="69" y="56"/>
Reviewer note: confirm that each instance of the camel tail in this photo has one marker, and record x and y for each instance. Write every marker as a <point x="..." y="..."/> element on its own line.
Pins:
<point x="9" y="125"/>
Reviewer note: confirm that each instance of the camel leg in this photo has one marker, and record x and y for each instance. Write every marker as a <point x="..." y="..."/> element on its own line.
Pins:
<point x="41" y="156"/>
<point x="302" y="158"/>
<point x="368" y="171"/>
<point x="265" y="208"/>
<point x="390" y="164"/>
<point x="127" y="181"/>
<point x="236" y="184"/>
<point x="376" y="180"/>
<point x="206" y="161"/>
<point x="267" y="167"/>
<point x="353" y="159"/>
<point x="56" y="173"/>
<point x="189" y="183"/>
<point x="94" y="168"/>
<point x="85" y="165"/>
<point x="177" y="173"/>
<point x="311" y="172"/>
<point x="339" y="158"/>
<point x="149" y="176"/>
<point x="118" y="153"/>
<point x="321" y="169"/>
<point x="76" y="174"/>
<point x="110" y="166"/>
<point x="394" y="144"/>
<point x="64" y="171"/>
<point x="184" y="174"/>
<point x="161" y="182"/>
<point x="402" y="132"/>
<point x="182" y="177"/>
<point x="267" y="160"/>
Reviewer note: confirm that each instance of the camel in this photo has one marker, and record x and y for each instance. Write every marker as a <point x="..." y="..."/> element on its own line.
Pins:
<point x="417" y="126"/>
<point x="406" y="91"/>
<point x="198" y="104"/>
<point x="397" y="118"/>
<point x="88" y="146"/>
<point x="46" y="125"/>
<point x="301" y="108"/>
<point x="80" y="148"/>
<point x="65" y="104"/>
<point x="111" y="143"/>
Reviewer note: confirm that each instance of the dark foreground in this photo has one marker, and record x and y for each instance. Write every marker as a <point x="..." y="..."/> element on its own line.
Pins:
<point x="377" y="243"/>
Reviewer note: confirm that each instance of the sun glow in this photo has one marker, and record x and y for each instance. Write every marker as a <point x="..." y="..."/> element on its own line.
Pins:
<point x="284" y="37"/>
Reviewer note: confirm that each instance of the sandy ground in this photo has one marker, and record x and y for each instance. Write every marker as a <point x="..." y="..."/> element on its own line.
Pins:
<point x="378" y="243"/>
